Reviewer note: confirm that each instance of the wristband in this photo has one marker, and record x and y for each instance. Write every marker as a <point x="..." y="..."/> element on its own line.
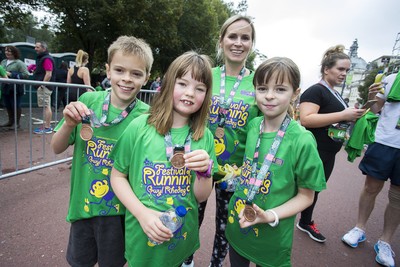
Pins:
<point x="276" y="221"/>
<point x="207" y="173"/>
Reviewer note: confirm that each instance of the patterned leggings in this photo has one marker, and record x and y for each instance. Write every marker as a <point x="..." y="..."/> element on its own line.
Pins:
<point x="221" y="245"/>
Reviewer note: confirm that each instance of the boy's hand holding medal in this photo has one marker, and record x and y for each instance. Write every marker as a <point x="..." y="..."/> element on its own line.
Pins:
<point x="74" y="112"/>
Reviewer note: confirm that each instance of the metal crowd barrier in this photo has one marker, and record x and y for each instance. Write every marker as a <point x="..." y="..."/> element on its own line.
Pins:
<point x="22" y="151"/>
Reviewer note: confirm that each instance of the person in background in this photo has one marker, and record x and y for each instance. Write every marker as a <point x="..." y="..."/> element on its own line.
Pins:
<point x="79" y="74"/>
<point x="44" y="71"/>
<point x="156" y="84"/>
<point x="326" y="114"/>
<point x="61" y="77"/>
<point x="95" y="213"/>
<point x="280" y="173"/>
<point x="148" y="178"/>
<point x="381" y="161"/>
<point x="232" y="108"/>
<point x="98" y="87"/>
<point x="15" y="69"/>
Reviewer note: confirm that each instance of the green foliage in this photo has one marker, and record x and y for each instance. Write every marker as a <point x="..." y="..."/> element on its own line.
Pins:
<point x="170" y="27"/>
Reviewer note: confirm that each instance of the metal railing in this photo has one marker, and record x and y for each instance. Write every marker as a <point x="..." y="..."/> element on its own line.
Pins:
<point x="21" y="150"/>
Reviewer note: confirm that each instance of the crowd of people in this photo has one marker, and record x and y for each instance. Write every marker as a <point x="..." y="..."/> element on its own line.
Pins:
<point x="133" y="161"/>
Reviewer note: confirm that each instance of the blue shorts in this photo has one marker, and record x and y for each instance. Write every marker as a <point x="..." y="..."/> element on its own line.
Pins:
<point x="382" y="162"/>
<point x="97" y="240"/>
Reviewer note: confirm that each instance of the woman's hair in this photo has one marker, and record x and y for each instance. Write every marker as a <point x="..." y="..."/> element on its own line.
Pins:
<point x="222" y="32"/>
<point x="81" y="58"/>
<point x="161" y="110"/>
<point x="283" y="68"/>
<point x="130" y="45"/>
<point x="14" y="51"/>
<point x="331" y="56"/>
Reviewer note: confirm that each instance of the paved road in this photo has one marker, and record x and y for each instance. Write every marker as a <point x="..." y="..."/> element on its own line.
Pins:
<point x="33" y="231"/>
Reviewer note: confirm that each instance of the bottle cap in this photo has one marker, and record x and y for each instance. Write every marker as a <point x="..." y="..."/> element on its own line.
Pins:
<point x="181" y="211"/>
<point x="223" y="185"/>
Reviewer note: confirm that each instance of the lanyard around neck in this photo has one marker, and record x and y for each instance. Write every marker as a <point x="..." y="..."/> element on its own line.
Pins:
<point x="225" y="105"/>
<point x="106" y="105"/>
<point x="335" y="93"/>
<point x="257" y="179"/>
<point x="169" y="146"/>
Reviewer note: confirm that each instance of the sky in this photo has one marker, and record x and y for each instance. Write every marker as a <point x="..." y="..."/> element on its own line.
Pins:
<point x="304" y="29"/>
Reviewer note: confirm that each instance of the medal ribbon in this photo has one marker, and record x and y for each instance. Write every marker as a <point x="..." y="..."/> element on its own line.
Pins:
<point x="95" y="122"/>
<point x="169" y="147"/>
<point x="257" y="179"/>
<point x="224" y="106"/>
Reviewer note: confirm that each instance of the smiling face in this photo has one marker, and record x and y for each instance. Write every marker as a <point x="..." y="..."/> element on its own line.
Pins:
<point x="273" y="99"/>
<point x="127" y="74"/>
<point x="188" y="96"/>
<point x="337" y="74"/>
<point x="9" y="54"/>
<point x="237" y="42"/>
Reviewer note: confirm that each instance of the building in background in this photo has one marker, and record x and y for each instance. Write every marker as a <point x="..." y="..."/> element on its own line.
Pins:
<point x="355" y="76"/>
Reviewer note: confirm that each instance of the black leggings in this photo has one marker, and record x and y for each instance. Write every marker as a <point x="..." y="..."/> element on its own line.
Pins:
<point x="328" y="161"/>
<point x="221" y="246"/>
<point x="237" y="260"/>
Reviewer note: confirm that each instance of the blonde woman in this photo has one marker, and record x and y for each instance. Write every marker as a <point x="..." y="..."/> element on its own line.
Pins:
<point x="79" y="74"/>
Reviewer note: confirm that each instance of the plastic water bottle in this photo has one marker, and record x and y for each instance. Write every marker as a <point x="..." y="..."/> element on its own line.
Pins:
<point x="229" y="185"/>
<point x="172" y="219"/>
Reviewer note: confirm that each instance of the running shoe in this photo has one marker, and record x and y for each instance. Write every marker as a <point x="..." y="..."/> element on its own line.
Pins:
<point x="312" y="231"/>
<point x="384" y="254"/>
<point x="354" y="236"/>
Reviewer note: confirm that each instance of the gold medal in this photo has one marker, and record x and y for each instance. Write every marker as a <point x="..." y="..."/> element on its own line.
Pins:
<point x="86" y="132"/>
<point x="219" y="132"/>
<point x="249" y="213"/>
<point x="177" y="160"/>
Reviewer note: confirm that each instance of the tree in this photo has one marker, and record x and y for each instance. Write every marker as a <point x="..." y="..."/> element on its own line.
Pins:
<point x="17" y="22"/>
<point x="170" y="27"/>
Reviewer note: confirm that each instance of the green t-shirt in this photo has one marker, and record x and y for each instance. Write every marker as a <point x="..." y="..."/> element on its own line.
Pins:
<point x="296" y="165"/>
<point x="91" y="194"/>
<point x="140" y="153"/>
<point x="230" y="148"/>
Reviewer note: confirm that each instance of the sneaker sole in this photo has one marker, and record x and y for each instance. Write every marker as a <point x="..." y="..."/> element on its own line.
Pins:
<point x="353" y="245"/>
<point x="309" y="234"/>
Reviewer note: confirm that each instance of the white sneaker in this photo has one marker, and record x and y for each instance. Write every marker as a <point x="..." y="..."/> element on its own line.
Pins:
<point x="354" y="236"/>
<point x="384" y="254"/>
<point x="191" y="264"/>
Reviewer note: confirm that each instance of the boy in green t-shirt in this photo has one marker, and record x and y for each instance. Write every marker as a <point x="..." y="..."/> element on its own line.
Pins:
<point x="93" y="124"/>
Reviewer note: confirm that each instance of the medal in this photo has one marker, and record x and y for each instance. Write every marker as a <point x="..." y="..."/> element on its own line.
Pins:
<point x="177" y="160"/>
<point x="249" y="213"/>
<point x="175" y="153"/>
<point x="86" y="132"/>
<point x="219" y="132"/>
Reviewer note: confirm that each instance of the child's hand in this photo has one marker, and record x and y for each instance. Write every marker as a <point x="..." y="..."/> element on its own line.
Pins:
<point x="74" y="112"/>
<point x="262" y="217"/>
<point x="197" y="160"/>
<point x="153" y="227"/>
